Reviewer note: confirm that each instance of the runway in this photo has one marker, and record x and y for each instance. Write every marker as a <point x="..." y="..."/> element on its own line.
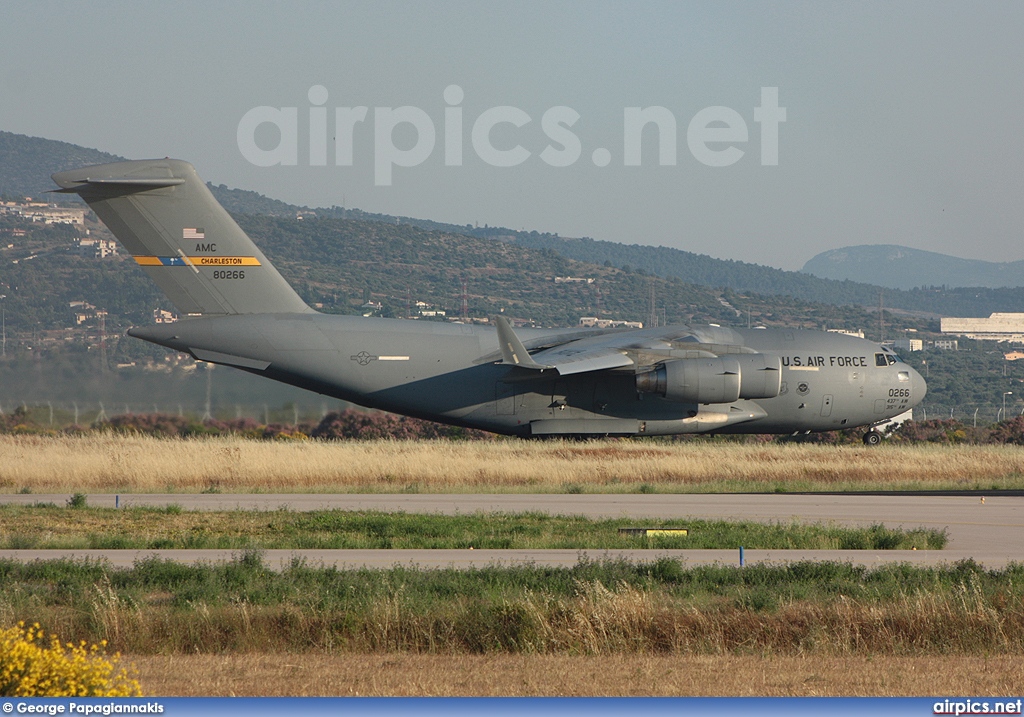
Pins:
<point x="990" y="532"/>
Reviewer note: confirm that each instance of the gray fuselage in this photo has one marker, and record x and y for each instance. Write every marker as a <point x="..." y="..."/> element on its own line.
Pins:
<point x="453" y="373"/>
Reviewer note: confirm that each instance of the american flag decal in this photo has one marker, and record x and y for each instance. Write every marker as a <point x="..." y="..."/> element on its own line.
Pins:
<point x="193" y="233"/>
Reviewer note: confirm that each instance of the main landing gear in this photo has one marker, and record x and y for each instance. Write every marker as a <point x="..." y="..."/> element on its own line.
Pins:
<point x="872" y="438"/>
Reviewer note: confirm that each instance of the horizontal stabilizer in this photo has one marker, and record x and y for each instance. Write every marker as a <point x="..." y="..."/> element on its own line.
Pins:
<point x="127" y="183"/>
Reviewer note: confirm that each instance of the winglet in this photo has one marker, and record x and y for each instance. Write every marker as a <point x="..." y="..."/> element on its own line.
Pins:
<point x="513" y="353"/>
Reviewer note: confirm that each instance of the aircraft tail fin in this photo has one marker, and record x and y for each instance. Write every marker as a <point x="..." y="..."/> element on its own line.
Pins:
<point x="166" y="217"/>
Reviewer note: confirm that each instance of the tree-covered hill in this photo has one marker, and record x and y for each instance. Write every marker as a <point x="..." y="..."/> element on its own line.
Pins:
<point x="26" y="164"/>
<point x="341" y="264"/>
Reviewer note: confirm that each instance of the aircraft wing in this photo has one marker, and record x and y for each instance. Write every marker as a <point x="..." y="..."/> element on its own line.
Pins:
<point x="568" y="355"/>
<point x="570" y="359"/>
<point x="566" y="359"/>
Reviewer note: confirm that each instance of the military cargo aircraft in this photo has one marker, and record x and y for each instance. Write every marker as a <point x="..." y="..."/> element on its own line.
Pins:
<point x="239" y="311"/>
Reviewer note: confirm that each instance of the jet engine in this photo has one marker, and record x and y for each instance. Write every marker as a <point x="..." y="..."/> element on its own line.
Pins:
<point x="718" y="379"/>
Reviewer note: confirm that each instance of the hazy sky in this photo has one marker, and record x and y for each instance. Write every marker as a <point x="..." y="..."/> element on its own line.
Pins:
<point x="903" y="121"/>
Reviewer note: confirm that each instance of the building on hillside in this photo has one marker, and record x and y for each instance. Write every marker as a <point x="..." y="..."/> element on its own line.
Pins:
<point x="594" y="322"/>
<point x="98" y="248"/>
<point x="997" y="327"/>
<point x="859" y="333"/>
<point x="908" y="345"/>
<point x="160" y="316"/>
<point x="946" y="344"/>
<point x="45" y="213"/>
<point x="1014" y="356"/>
<point x="83" y="311"/>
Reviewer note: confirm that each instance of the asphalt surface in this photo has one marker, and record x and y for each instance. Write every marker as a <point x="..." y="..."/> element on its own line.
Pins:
<point x="990" y="531"/>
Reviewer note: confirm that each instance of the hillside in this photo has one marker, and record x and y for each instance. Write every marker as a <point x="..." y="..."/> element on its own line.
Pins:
<point x="900" y="267"/>
<point x="948" y="298"/>
<point x="26" y="162"/>
<point x="341" y="264"/>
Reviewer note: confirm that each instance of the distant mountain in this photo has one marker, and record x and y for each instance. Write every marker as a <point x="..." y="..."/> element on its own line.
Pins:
<point x="767" y="281"/>
<point x="900" y="267"/>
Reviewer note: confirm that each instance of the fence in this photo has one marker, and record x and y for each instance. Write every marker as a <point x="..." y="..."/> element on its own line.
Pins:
<point x="62" y="415"/>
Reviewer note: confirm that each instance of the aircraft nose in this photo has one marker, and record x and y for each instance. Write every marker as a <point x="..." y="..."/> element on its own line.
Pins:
<point x="918" y="386"/>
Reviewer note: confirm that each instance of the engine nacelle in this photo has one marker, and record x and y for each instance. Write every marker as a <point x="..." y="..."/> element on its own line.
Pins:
<point x="762" y="375"/>
<point x="719" y="379"/>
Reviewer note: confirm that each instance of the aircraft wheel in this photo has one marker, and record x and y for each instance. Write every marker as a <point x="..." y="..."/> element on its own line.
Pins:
<point x="872" y="438"/>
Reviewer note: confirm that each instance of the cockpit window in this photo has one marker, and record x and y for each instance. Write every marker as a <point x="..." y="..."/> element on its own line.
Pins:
<point x="880" y="360"/>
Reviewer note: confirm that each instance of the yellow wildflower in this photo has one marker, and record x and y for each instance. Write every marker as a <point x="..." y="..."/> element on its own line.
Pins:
<point x="28" y="668"/>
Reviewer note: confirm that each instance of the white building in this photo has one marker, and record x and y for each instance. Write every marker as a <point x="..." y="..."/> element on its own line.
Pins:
<point x="997" y="327"/>
<point x="99" y="248"/>
<point x="46" y="213"/>
<point x="908" y="344"/>
<point x="160" y="316"/>
<point x="594" y="322"/>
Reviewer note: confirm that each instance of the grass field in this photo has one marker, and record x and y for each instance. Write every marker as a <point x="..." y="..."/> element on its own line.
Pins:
<point x="611" y="607"/>
<point x="59" y="527"/>
<point x="144" y="465"/>
<point x="316" y="674"/>
<point x="597" y="629"/>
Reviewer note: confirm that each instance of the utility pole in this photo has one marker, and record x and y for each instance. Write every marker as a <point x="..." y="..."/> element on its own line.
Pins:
<point x="207" y="416"/>
<point x="653" y="320"/>
<point x="103" y="342"/>
<point x="881" y="319"/>
<point x="465" y="303"/>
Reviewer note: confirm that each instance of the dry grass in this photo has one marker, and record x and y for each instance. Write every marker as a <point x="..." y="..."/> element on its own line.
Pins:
<point x="141" y="464"/>
<point x="556" y="675"/>
<point x="960" y="620"/>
